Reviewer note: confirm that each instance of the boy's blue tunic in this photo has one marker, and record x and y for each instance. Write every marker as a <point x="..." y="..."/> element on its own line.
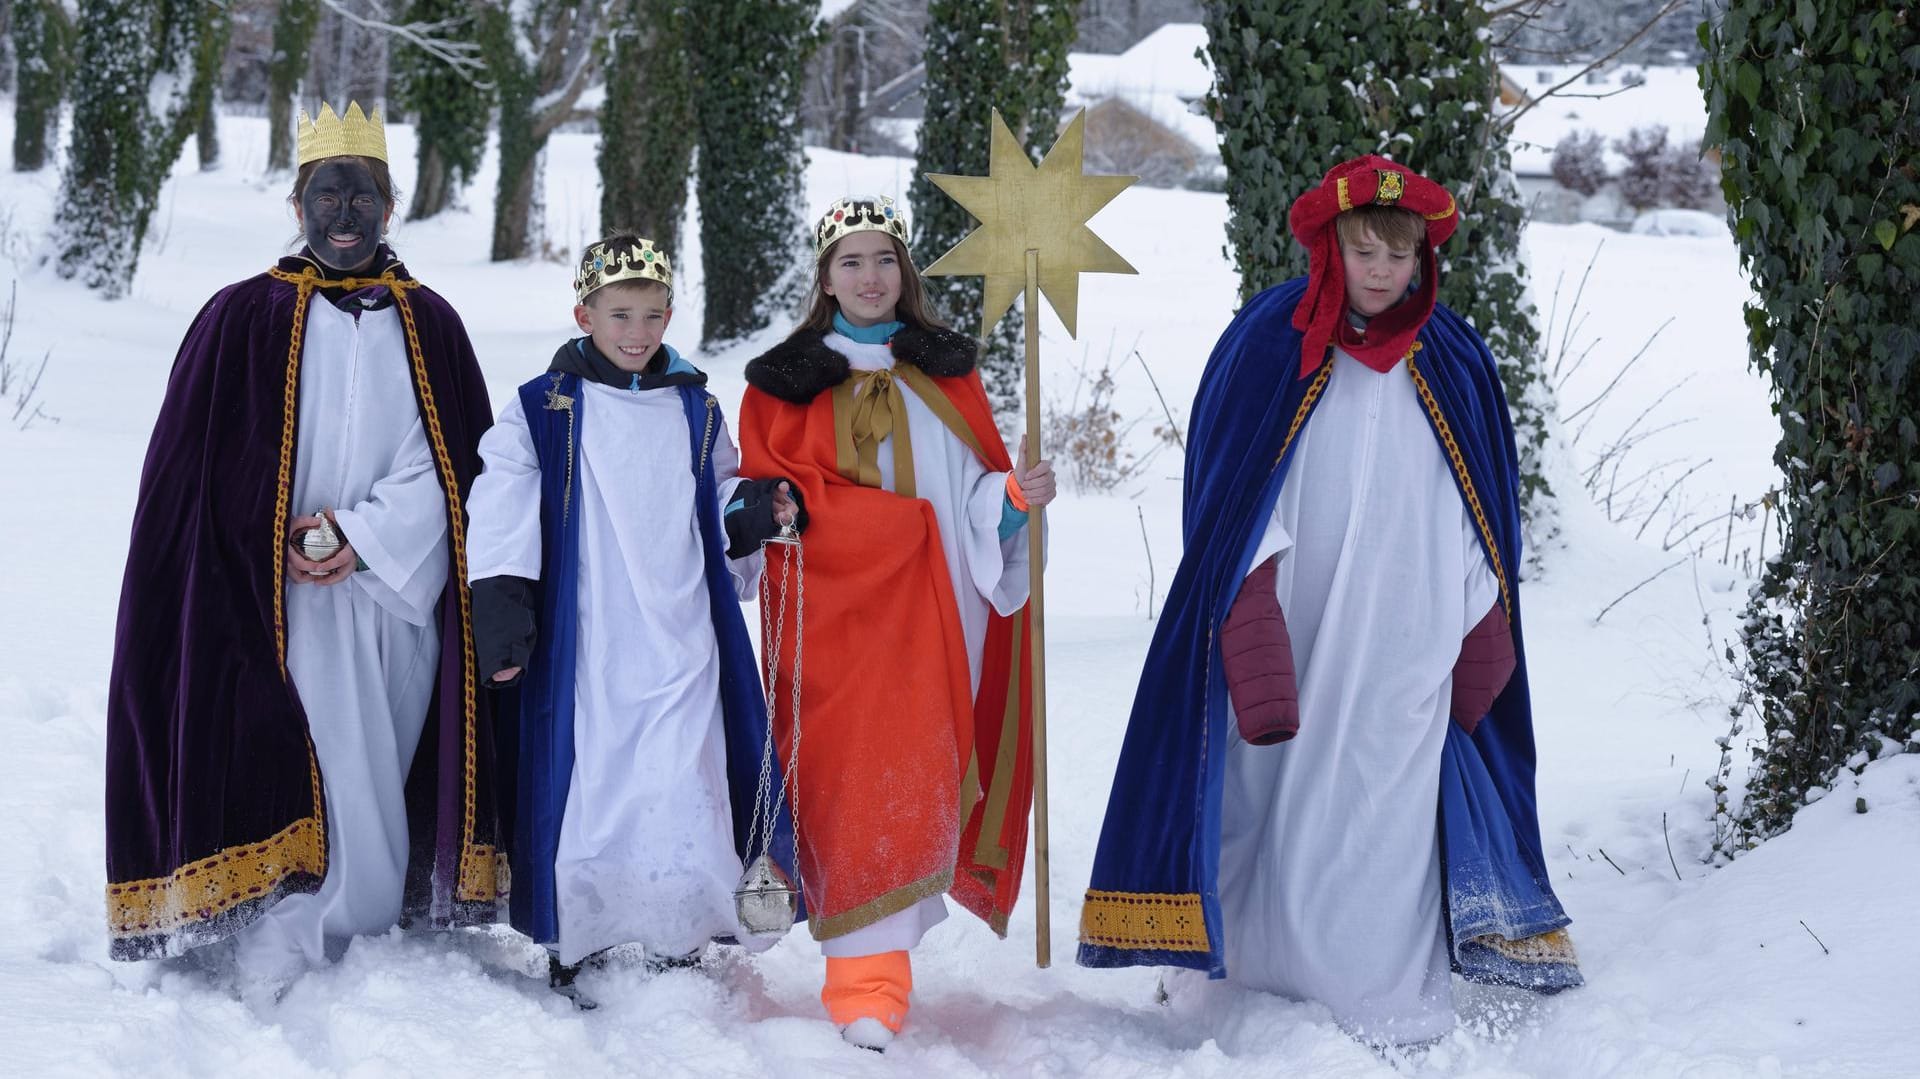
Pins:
<point x="1154" y="898"/>
<point x="545" y="736"/>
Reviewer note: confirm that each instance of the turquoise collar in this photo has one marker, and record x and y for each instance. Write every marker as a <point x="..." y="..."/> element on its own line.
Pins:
<point x="876" y="334"/>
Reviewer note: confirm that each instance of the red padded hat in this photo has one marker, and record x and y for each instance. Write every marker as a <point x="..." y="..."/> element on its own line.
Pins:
<point x="1321" y="315"/>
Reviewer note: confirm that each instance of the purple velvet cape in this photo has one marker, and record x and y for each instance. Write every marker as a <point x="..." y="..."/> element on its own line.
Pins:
<point x="214" y="804"/>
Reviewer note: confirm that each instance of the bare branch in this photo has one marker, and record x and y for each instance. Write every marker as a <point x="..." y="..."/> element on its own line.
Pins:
<point x="432" y="38"/>
<point x="1532" y="102"/>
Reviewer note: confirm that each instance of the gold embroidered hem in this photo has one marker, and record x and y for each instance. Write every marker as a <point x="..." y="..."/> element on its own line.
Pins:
<point x="215" y="884"/>
<point x="989" y="850"/>
<point x="1146" y="920"/>
<point x="873" y="910"/>
<point x="1553" y="947"/>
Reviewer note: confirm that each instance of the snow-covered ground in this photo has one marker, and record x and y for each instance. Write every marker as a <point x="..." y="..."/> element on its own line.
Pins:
<point x="1692" y="970"/>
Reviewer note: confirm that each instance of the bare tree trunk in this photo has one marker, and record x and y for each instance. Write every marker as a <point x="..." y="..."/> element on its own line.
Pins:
<point x="513" y="218"/>
<point x="431" y="191"/>
<point x="207" y="136"/>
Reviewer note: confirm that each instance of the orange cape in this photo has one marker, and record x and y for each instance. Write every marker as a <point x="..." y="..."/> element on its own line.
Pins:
<point x="908" y="785"/>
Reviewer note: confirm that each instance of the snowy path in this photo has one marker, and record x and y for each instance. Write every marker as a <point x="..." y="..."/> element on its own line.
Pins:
<point x="1713" y="974"/>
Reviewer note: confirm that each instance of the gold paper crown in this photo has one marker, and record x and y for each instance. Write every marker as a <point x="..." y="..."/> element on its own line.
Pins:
<point x="334" y="136"/>
<point x="620" y="258"/>
<point x="862" y="213"/>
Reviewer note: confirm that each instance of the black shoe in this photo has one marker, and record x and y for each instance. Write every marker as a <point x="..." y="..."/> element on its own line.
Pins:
<point x="560" y="978"/>
<point x="657" y="964"/>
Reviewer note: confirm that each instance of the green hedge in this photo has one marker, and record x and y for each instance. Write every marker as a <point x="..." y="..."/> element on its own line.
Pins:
<point x="1812" y="105"/>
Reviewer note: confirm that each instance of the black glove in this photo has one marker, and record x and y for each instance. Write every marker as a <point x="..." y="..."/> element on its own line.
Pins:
<point x="504" y="627"/>
<point x="749" y="517"/>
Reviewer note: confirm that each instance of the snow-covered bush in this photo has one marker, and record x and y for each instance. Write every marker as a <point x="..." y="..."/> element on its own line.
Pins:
<point x="1580" y="162"/>
<point x="1689" y="175"/>
<point x="1643" y="181"/>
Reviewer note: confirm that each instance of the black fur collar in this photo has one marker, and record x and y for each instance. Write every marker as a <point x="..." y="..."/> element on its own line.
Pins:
<point x="798" y="369"/>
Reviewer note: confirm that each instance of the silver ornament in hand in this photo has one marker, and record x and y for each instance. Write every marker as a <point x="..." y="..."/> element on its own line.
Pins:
<point x="322" y="541"/>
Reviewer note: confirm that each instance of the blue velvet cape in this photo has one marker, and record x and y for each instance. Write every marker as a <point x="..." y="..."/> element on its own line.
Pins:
<point x="556" y="414"/>
<point x="1154" y="896"/>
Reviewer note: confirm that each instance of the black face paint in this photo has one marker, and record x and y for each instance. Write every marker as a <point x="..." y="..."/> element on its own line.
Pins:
<point x="342" y="213"/>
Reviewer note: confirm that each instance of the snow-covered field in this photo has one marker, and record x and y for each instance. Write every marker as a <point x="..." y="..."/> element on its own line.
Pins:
<point x="1692" y="970"/>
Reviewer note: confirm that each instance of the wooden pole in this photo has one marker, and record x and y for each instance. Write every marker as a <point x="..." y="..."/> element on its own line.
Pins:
<point x="1037" y="630"/>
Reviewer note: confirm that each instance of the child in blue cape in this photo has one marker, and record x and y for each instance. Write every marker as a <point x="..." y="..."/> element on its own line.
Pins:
<point x="612" y="539"/>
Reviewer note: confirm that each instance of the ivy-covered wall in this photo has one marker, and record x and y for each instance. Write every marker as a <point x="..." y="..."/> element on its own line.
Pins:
<point x="450" y="109"/>
<point x="143" y="73"/>
<point x="293" y="27"/>
<point x="748" y="59"/>
<point x="1815" y="108"/>
<point x="42" y="40"/>
<point x="647" y="127"/>
<point x="983" y="55"/>
<point x="1299" y="88"/>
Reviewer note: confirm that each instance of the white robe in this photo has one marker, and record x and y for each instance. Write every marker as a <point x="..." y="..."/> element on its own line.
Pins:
<point x="364" y="653"/>
<point x="1330" y="886"/>
<point x="646" y="849"/>
<point x="988" y="576"/>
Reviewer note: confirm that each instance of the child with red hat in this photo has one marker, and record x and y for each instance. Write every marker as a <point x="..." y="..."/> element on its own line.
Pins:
<point x="1326" y="790"/>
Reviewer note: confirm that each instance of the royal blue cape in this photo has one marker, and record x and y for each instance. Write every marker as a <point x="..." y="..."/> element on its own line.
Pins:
<point x="1154" y="898"/>
<point x="556" y="416"/>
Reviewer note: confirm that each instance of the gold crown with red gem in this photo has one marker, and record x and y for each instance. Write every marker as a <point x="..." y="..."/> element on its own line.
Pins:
<point x="621" y="258"/>
<point x="863" y="213"/>
<point x="352" y="135"/>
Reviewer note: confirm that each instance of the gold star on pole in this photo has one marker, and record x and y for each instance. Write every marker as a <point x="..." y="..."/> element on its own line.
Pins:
<point x="1022" y="208"/>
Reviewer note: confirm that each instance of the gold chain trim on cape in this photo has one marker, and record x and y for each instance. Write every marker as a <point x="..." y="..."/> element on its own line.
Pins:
<point x="289" y="414"/>
<point x="1459" y="463"/>
<point x="1162" y="921"/>
<point x="478" y="880"/>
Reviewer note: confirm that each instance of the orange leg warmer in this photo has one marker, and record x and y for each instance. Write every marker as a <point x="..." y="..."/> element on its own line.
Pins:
<point x="868" y="986"/>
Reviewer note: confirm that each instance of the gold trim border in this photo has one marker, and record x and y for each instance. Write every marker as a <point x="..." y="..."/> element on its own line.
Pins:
<point x="1160" y="921"/>
<point x="875" y="909"/>
<point x="217" y="883"/>
<point x="1555" y="946"/>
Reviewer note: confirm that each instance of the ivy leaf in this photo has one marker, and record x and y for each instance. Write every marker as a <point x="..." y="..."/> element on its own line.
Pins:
<point x="1886" y="232"/>
<point x="1746" y="79"/>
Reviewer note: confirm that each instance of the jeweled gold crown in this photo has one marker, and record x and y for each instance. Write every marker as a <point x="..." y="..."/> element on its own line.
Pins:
<point x="861" y="213"/>
<point x="620" y="258"/>
<point x="333" y="136"/>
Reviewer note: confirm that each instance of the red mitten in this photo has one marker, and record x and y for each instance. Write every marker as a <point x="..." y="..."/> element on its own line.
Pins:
<point x="1258" y="656"/>
<point x="1486" y="662"/>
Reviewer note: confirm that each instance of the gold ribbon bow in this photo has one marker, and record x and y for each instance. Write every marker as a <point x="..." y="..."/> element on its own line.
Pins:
<point x="869" y="408"/>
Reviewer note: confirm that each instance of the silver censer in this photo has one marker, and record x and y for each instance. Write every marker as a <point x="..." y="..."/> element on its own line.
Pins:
<point x="766" y="900"/>
<point x="322" y="541"/>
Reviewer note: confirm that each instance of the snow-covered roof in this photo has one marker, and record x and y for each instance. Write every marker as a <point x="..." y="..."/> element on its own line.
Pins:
<point x="1161" y="76"/>
<point x="1669" y="95"/>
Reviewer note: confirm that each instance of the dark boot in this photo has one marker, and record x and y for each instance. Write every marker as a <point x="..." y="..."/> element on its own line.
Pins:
<point x="560" y="979"/>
